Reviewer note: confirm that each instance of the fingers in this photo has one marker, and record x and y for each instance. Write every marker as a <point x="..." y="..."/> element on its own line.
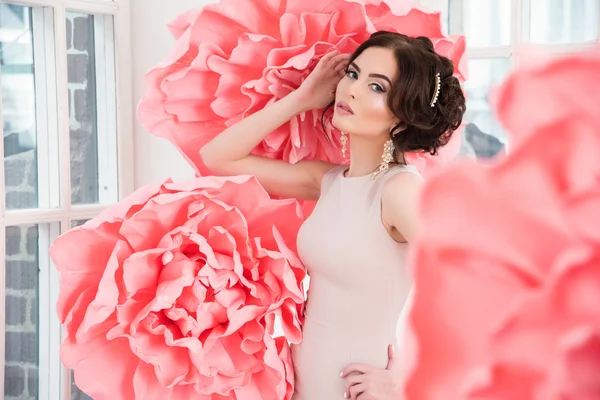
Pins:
<point x="356" y="367"/>
<point x="327" y="58"/>
<point x="340" y="59"/>
<point x="351" y="383"/>
<point x="341" y="62"/>
<point x="357" y="390"/>
<point x="334" y="59"/>
<point x="391" y="356"/>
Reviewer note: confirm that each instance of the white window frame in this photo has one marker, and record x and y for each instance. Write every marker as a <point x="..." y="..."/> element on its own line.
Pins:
<point x="519" y="32"/>
<point x="453" y="10"/>
<point x="56" y="213"/>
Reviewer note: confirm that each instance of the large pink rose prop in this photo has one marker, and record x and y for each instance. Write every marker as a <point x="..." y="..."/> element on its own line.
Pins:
<point x="236" y="57"/>
<point x="566" y="100"/>
<point x="174" y="292"/>
<point x="507" y="263"/>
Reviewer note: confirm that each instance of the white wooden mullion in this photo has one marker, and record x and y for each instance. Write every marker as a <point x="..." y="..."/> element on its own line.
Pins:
<point x="45" y="106"/>
<point x="45" y="347"/>
<point x="489" y="52"/>
<point x="124" y="98"/>
<point x="64" y="376"/>
<point x="17" y="217"/>
<point x="566" y="25"/>
<point x="597" y="21"/>
<point x="54" y="338"/>
<point x="566" y="47"/>
<point x="106" y="119"/>
<point x="456" y="16"/>
<point x="83" y="6"/>
<point x="52" y="110"/>
<point x="525" y="21"/>
<point x="42" y="103"/>
<point x="64" y="151"/>
<point x="516" y="32"/>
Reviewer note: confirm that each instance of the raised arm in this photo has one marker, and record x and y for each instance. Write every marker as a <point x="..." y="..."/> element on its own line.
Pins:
<point x="229" y="152"/>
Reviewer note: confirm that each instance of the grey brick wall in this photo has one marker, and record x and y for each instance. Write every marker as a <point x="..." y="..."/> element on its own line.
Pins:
<point x="22" y="336"/>
<point x="21" y="369"/>
<point x="82" y="106"/>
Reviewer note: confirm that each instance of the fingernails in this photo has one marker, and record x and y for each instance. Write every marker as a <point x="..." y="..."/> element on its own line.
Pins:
<point x="342" y="374"/>
<point x="345" y="395"/>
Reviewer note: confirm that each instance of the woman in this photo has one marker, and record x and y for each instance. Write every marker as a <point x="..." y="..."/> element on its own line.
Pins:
<point x="393" y="95"/>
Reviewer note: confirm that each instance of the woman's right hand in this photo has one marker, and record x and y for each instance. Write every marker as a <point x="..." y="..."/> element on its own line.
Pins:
<point x="318" y="89"/>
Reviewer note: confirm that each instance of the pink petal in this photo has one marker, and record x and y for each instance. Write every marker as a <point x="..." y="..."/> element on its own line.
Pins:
<point x="555" y="90"/>
<point x="115" y="381"/>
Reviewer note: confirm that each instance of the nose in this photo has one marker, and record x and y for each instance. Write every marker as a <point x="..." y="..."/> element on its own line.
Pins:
<point x="352" y="90"/>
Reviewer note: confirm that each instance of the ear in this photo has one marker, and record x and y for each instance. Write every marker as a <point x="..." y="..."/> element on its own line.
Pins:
<point x="397" y="127"/>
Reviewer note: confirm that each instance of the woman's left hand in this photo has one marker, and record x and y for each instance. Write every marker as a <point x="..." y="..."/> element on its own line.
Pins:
<point x="370" y="383"/>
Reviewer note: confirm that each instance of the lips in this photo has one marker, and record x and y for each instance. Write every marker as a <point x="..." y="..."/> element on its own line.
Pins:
<point x="345" y="107"/>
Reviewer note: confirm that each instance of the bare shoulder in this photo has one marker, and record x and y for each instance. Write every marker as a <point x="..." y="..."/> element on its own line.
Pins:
<point x="399" y="202"/>
<point x="401" y="184"/>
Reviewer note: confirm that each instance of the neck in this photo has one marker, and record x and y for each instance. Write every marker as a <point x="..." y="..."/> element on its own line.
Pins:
<point x="365" y="155"/>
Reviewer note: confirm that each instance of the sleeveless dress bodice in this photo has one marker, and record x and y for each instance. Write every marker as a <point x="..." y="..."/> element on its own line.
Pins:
<point x="358" y="284"/>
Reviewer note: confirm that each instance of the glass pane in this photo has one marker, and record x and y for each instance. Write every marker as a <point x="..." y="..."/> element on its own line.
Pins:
<point x="18" y="107"/>
<point x="76" y="393"/>
<point x="92" y="108"/>
<point x="483" y="133"/>
<point x="487" y="22"/>
<point x="78" y="222"/>
<point x="563" y="21"/>
<point x="22" y="304"/>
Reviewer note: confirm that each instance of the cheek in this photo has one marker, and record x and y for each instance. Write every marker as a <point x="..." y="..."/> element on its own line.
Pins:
<point x="342" y="88"/>
<point x="375" y="110"/>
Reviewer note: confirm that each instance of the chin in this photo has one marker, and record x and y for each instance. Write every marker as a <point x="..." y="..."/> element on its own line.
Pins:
<point x="341" y="123"/>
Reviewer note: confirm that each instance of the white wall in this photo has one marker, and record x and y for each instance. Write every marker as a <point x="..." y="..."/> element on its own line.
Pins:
<point x="155" y="158"/>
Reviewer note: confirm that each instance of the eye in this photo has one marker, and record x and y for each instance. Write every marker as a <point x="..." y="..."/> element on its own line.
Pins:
<point x="378" y="88"/>
<point x="352" y="74"/>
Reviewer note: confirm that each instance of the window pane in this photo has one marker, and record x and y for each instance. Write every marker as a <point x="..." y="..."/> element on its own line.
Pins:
<point x="78" y="222"/>
<point x="18" y="107"/>
<point x="483" y="132"/>
<point x="29" y="107"/>
<point x="563" y="21"/>
<point x="22" y="304"/>
<point x="92" y="108"/>
<point x="486" y="22"/>
<point x="13" y="16"/>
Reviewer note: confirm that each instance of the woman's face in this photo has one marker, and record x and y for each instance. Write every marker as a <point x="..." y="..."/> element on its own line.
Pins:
<point x="361" y="97"/>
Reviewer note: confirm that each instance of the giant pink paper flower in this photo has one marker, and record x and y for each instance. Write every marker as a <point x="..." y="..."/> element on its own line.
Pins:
<point x="173" y="294"/>
<point x="235" y="57"/>
<point x="532" y="83"/>
<point x="507" y="263"/>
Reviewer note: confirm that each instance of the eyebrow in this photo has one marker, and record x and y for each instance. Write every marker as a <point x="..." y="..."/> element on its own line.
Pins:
<point x="385" y="78"/>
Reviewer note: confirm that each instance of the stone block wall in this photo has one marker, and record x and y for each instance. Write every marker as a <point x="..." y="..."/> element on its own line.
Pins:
<point x="22" y="304"/>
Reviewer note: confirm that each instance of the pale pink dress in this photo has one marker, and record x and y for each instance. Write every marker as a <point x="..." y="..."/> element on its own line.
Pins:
<point x="359" y="284"/>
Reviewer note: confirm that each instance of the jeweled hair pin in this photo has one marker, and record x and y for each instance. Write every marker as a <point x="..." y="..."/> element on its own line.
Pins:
<point x="436" y="92"/>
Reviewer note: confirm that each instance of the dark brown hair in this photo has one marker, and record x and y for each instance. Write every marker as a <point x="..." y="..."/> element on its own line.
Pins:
<point x="422" y="128"/>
